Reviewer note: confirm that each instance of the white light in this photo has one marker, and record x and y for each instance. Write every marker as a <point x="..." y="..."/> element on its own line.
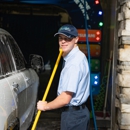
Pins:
<point x="95" y="82"/>
<point x="100" y="12"/>
<point x="96" y="77"/>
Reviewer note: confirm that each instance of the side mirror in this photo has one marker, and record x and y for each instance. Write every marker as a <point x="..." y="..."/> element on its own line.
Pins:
<point x="36" y="62"/>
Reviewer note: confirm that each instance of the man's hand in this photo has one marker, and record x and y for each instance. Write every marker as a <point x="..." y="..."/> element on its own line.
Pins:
<point x="42" y="105"/>
<point x="61" y="100"/>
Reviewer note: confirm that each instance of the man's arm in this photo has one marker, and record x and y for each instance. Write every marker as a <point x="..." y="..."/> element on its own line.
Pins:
<point x="60" y="101"/>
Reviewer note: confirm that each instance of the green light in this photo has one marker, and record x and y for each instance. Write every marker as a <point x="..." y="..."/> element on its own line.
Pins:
<point x="100" y="23"/>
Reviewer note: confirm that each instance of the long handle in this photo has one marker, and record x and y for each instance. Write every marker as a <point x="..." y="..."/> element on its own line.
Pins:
<point x="47" y="89"/>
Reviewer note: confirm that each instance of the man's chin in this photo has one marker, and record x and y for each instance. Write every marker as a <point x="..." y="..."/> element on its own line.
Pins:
<point x="64" y="54"/>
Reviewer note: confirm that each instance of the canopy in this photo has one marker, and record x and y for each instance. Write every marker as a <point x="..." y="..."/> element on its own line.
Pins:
<point x="75" y="9"/>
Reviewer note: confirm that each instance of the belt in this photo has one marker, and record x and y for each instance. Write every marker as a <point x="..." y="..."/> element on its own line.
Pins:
<point x="67" y="108"/>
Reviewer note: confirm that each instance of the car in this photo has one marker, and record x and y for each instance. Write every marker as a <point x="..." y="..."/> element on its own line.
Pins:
<point x="19" y="82"/>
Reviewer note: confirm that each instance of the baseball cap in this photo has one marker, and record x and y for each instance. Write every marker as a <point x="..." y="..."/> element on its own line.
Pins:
<point x="68" y="30"/>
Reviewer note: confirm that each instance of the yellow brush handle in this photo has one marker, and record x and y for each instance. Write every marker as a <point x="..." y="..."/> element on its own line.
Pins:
<point x="47" y="89"/>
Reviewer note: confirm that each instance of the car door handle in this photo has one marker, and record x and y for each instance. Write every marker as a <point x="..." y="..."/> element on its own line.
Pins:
<point x="15" y="87"/>
<point x="28" y="80"/>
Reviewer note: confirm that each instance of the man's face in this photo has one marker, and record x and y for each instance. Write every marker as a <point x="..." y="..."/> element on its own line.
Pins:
<point x="67" y="44"/>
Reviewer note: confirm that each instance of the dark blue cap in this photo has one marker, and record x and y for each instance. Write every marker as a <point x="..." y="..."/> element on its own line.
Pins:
<point x="68" y="30"/>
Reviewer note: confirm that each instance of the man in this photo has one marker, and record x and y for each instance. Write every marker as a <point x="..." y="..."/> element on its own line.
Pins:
<point x="74" y="83"/>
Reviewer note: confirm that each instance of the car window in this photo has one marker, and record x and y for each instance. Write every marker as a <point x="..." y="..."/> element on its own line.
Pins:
<point x="6" y="62"/>
<point x="18" y="56"/>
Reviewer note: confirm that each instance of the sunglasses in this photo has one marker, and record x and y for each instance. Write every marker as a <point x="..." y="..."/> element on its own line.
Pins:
<point x="65" y="39"/>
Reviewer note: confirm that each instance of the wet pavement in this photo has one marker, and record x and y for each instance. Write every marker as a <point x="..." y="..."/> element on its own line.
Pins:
<point x="49" y="121"/>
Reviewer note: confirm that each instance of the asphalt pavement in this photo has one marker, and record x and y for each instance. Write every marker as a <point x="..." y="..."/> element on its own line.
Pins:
<point x="49" y="120"/>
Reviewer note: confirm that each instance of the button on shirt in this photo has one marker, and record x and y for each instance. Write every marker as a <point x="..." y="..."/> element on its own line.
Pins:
<point x="75" y="77"/>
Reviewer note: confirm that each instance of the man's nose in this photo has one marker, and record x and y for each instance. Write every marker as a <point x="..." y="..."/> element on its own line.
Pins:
<point x="63" y="40"/>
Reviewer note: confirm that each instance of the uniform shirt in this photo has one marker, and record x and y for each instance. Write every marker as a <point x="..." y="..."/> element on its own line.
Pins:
<point x="75" y="77"/>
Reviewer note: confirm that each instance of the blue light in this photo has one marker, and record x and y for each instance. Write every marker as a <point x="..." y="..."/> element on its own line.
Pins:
<point x="95" y="82"/>
<point x="100" y="12"/>
<point x="96" y="77"/>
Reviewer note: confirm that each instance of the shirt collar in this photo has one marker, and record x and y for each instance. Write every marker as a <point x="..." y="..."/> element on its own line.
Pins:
<point x="73" y="51"/>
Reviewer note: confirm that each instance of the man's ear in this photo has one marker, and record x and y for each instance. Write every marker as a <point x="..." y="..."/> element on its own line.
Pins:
<point x="76" y="39"/>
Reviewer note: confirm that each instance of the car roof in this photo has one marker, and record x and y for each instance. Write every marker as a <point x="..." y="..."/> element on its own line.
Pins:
<point x="2" y="31"/>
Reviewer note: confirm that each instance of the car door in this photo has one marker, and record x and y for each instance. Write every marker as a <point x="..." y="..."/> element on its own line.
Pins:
<point x="8" y="104"/>
<point x="27" y="91"/>
<point x="17" y="81"/>
<point x="32" y="82"/>
<point x="18" y="87"/>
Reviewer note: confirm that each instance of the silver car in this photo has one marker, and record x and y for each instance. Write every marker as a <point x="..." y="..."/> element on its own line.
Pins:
<point x="18" y="85"/>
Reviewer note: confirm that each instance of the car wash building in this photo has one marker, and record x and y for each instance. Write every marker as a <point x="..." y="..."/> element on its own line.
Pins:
<point x="104" y="37"/>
